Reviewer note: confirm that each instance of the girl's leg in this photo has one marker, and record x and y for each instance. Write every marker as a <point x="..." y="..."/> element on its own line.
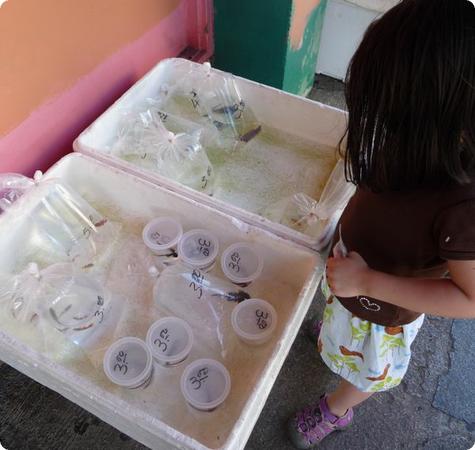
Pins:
<point x="345" y="397"/>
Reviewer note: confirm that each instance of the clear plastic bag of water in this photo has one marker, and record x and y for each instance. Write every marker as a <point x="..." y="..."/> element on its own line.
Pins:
<point x="182" y="158"/>
<point x="204" y="300"/>
<point x="147" y="139"/>
<point x="18" y="294"/>
<point x="307" y="215"/>
<point x="59" y="302"/>
<point x="203" y="93"/>
<point x="12" y="187"/>
<point x="70" y="300"/>
<point x="64" y="227"/>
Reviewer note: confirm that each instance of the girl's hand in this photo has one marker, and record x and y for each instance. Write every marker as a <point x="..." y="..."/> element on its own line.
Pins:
<point x="347" y="277"/>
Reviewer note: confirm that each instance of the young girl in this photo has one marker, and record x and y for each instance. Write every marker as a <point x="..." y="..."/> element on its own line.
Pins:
<point x="410" y="227"/>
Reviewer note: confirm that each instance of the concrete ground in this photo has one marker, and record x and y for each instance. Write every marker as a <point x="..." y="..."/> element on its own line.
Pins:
<point x="433" y="409"/>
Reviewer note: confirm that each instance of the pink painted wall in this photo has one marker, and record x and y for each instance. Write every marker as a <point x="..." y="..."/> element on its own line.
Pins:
<point x="63" y="73"/>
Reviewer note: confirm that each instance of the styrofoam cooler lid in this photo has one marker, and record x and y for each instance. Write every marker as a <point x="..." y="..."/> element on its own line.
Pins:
<point x="205" y="384"/>
<point x="254" y="320"/>
<point x="170" y="340"/>
<point x="128" y="362"/>
<point x="242" y="262"/>
<point x="198" y="248"/>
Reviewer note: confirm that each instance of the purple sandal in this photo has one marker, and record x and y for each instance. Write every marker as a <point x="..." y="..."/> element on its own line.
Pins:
<point x="311" y="425"/>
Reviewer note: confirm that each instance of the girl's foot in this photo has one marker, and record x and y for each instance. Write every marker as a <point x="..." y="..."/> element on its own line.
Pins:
<point x="311" y="425"/>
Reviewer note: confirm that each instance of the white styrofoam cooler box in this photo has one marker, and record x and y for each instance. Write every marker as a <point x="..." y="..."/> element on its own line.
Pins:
<point x="289" y="282"/>
<point x="306" y="119"/>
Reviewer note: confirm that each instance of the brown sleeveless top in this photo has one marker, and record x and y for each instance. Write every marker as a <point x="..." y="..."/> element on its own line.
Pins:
<point x="409" y="234"/>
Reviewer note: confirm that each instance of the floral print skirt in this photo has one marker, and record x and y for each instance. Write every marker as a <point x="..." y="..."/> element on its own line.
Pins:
<point x="371" y="357"/>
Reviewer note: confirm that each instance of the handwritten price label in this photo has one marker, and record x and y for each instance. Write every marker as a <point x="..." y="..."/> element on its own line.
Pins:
<point x="100" y="311"/>
<point x="121" y="363"/>
<point x="234" y="264"/>
<point x="239" y="109"/>
<point x="194" y="99"/>
<point x="159" y="239"/>
<point x="198" y="380"/>
<point x="87" y="231"/>
<point x="155" y="236"/>
<point x="197" y="283"/>
<point x="163" y="341"/>
<point x="163" y="116"/>
<point x="262" y="319"/>
<point x="204" y="247"/>
<point x="205" y="178"/>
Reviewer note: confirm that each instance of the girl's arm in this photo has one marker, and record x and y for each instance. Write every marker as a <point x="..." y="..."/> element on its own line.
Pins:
<point x="454" y="298"/>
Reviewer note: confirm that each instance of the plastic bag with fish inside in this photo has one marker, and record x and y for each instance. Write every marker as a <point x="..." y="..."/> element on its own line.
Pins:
<point x="204" y="301"/>
<point x="182" y="158"/>
<point x="164" y="143"/>
<point x="12" y="187"/>
<point x="64" y="305"/>
<point x="307" y="215"/>
<point x="63" y="227"/>
<point x="214" y="95"/>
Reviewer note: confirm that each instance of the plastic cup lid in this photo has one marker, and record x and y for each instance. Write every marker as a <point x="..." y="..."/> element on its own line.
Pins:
<point x="205" y="384"/>
<point x="254" y="319"/>
<point x="170" y="339"/>
<point x="198" y="248"/>
<point x="162" y="233"/>
<point x="241" y="263"/>
<point x="128" y="362"/>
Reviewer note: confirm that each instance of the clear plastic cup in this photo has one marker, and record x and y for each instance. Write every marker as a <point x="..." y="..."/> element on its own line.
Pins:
<point x="254" y="321"/>
<point x="128" y="363"/>
<point x="205" y="384"/>
<point x="162" y="235"/>
<point x="198" y="249"/>
<point x="242" y="263"/>
<point x="170" y="339"/>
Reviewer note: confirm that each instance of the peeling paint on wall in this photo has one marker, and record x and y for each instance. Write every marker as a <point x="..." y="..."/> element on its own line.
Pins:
<point x="300" y="62"/>
<point x="302" y="11"/>
<point x="277" y="46"/>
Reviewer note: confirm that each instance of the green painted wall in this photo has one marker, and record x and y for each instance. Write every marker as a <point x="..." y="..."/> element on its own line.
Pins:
<point x="252" y="40"/>
<point x="300" y="64"/>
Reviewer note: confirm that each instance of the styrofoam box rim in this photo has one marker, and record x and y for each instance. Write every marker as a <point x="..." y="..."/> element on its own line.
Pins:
<point x="296" y="103"/>
<point x="99" y="402"/>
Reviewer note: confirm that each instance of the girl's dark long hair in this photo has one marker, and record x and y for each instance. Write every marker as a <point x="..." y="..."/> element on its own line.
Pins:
<point x="410" y="91"/>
